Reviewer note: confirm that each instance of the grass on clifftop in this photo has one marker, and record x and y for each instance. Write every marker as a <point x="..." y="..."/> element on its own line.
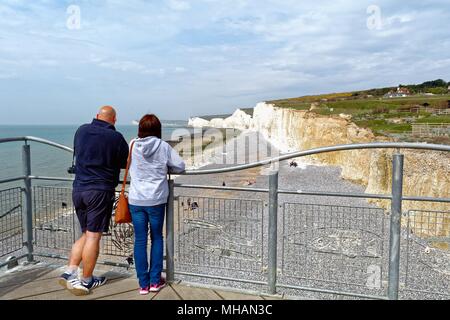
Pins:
<point x="361" y="106"/>
<point x="382" y="115"/>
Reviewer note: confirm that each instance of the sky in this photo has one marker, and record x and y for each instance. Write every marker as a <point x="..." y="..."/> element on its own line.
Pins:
<point x="61" y="60"/>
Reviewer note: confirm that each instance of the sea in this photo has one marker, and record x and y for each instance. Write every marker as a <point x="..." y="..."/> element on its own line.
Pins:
<point x="51" y="162"/>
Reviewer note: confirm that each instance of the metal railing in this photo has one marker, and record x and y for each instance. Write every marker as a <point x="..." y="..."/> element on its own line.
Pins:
<point x="242" y="236"/>
<point x="430" y="129"/>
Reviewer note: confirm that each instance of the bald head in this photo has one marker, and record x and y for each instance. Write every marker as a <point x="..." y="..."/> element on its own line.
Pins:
<point x="108" y="114"/>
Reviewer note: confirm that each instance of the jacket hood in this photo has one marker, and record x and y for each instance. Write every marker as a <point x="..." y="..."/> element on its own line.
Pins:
<point x="148" y="145"/>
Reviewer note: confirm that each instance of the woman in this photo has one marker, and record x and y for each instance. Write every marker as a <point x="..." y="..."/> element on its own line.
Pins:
<point x="151" y="159"/>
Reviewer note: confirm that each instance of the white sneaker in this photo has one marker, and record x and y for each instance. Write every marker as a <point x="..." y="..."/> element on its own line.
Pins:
<point x="67" y="280"/>
<point x="79" y="288"/>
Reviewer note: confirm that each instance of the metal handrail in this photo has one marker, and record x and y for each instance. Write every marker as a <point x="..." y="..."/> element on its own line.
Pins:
<point x="36" y="139"/>
<point x="395" y="217"/>
<point x="297" y="154"/>
<point x="13" y="179"/>
<point x="344" y="147"/>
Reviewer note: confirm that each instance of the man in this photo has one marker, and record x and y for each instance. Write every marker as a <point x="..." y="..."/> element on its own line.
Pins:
<point x="100" y="153"/>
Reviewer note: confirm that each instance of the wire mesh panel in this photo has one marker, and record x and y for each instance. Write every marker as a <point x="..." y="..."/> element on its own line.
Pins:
<point x="119" y="240"/>
<point x="428" y="252"/>
<point x="215" y="233"/>
<point x="56" y="226"/>
<point x="334" y="247"/>
<point x="11" y="228"/>
<point x="54" y="218"/>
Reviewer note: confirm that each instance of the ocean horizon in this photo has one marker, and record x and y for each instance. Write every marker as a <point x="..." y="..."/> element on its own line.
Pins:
<point x="49" y="161"/>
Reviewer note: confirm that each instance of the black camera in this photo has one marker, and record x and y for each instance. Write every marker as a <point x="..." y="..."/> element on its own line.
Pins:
<point x="71" y="170"/>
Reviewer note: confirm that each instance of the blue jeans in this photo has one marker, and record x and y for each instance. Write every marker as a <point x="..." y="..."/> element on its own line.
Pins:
<point x="142" y="217"/>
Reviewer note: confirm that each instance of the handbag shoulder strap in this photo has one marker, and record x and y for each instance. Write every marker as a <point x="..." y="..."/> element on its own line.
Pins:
<point x="127" y="168"/>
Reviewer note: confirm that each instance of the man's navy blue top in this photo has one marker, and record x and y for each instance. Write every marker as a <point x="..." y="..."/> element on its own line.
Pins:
<point x="100" y="153"/>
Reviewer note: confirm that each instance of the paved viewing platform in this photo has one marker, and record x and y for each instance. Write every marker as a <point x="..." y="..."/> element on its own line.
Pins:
<point x="300" y="233"/>
<point x="39" y="282"/>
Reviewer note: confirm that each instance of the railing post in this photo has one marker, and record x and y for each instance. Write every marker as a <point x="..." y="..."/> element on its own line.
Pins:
<point x="273" y="222"/>
<point x="26" y="160"/>
<point x="170" y="241"/>
<point x="395" y="228"/>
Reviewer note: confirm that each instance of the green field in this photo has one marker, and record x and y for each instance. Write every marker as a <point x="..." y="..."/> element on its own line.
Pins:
<point x="376" y="113"/>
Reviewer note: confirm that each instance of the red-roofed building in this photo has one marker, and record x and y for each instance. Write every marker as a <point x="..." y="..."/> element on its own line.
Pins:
<point x="401" y="92"/>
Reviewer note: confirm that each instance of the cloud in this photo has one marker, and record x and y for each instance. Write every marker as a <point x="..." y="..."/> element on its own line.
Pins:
<point x="180" y="70"/>
<point x="274" y="29"/>
<point x="71" y="78"/>
<point x="179" y="5"/>
<point x="49" y="62"/>
<point x="215" y="55"/>
<point x="130" y="66"/>
<point x="6" y="76"/>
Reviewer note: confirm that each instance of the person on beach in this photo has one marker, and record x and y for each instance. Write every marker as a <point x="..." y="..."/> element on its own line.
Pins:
<point x="100" y="152"/>
<point x="151" y="160"/>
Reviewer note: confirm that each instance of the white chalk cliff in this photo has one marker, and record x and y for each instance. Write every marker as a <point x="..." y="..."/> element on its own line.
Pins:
<point x="426" y="173"/>
<point x="238" y="120"/>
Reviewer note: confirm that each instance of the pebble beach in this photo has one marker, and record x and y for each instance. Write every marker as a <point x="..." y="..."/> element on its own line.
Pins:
<point x="330" y="243"/>
<point x="344" y="246"/>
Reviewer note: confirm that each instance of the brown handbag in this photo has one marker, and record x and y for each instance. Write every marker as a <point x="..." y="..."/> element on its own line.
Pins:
<point x="122" y="214"/>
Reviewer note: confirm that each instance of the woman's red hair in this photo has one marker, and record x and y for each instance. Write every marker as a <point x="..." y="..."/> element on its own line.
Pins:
<point x="149" y="125"/>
